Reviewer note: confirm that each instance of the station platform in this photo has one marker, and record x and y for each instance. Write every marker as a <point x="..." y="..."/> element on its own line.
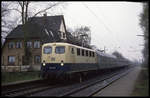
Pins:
<point x="123" y="86"/>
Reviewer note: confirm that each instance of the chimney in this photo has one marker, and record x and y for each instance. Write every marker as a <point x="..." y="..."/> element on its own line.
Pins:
<point x="45" y="14"/>
<point x="45" y="19"/>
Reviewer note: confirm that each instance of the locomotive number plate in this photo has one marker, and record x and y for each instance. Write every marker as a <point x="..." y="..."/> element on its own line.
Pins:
<point x="52" y="59"/>
<point x="52" y="67"/>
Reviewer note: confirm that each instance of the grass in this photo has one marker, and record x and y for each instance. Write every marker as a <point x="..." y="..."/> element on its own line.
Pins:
<point x="9" y="77"/>
<point x="142" y="84"/>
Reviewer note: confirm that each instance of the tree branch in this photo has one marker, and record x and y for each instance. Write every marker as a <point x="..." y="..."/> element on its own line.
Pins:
<point x="15" y="10"/>
<point x="46" y="9"/>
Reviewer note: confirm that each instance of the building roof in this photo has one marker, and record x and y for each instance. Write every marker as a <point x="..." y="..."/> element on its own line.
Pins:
<point x="46" y="28"/>
<point x="32" y="30"/>
<point x="37" y="27"/>
<point x="52" y="22"/>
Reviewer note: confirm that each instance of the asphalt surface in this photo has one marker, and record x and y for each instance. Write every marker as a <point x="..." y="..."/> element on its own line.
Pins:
<point x="123" y="86"/>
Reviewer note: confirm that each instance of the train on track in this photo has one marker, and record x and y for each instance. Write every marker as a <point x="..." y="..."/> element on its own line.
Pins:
<point x="66" y="60"/>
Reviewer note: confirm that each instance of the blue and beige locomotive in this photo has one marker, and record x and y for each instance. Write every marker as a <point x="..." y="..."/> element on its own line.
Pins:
<point x="66" y="60"/>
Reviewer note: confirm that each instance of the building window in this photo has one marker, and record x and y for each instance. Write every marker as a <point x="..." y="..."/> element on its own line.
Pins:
<point x="63" y="35"/>
<point x="18" y="45"/>
<point x="11" y="45"/>
<point x="29" y="44"/>
<point x="37" y="59"/>
<point x="11" y="59"/>
<point x="37" y="44"/>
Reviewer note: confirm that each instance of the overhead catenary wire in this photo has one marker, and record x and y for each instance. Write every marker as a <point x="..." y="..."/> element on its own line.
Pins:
<point x="76" y="20"/>
<point x="100" y="21"/>
<point x="94" y="15"/>
<point x="116" y="38"/>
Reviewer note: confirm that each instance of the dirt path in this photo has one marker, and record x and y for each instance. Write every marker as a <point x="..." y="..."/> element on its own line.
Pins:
<point x="123" y="86"/>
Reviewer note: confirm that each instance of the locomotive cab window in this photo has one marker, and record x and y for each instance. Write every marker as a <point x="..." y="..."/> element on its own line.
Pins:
<point x="60" y="50"/>
<point x="47" y="50"/>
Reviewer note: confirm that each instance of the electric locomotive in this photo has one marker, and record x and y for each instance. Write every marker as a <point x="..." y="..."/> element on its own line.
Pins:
<point x="64" y="59"/>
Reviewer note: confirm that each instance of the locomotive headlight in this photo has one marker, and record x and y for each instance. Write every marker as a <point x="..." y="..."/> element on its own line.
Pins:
<point x="43" y="64"/>
<point x="62" y="63"/>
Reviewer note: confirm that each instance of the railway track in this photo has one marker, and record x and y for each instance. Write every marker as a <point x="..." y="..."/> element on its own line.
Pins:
<point x="26" y="88"/>
<point x="94" y="87"/>
<point x="86" y="88"/>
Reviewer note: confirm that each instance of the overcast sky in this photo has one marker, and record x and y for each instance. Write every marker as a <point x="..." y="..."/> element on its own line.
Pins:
<point x="114" y="25"/>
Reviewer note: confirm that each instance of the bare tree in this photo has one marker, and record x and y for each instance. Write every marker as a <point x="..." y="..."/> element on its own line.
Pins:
<point x="144" y="23"/>
<point x="118" y="54"/>
<point x="83" y="33"/>
<point x="25" y="9"/>
<point x="4" y="13"/>
<point x="6" y="24"/>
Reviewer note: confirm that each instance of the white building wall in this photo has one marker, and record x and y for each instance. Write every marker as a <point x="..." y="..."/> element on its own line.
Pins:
<point x="62" y="29"/>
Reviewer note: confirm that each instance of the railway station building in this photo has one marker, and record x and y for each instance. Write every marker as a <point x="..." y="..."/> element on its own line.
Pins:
<point x="38" y="30"/>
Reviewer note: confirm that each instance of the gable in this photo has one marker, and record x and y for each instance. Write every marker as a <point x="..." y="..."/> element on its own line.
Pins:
<point x="62" y="27"/>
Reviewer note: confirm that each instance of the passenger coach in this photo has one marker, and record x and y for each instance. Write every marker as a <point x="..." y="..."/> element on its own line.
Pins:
<point x="61" y="59"/>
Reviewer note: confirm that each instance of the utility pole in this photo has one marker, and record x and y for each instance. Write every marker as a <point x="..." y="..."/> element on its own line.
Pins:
<point x="104" y="49"/>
